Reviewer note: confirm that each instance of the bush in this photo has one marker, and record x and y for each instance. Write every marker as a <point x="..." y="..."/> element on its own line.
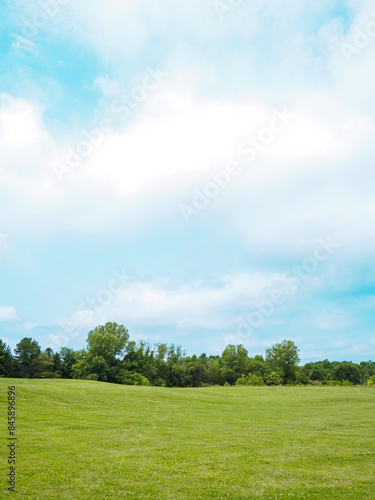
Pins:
<point x="251" y="379"/>
<point x="273" y="379"/>
<point x="346" y="382"/>
<point x="131" y="378"/>
<point x="49" y="374"/>
<point x="334" y="383"/>
<point x="242" y="381"/>
<point x="371" y="381"/>
<point x="303" y="379"/>
<point x="160" y="382"/>
<point x="227" y="384"/>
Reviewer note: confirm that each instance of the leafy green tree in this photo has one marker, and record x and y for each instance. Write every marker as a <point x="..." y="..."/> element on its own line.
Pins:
<point x="250" y="379"/>
<point x="105" y="346"/>
<point x="175" y="376"/>
<point x="6" y="361"/>
<point x="68" y="357"/>
<point x="347" y="371"/>
<point x="196" y="371"/>
<point x="318" y="373"/>
<point x="80" y="369"/>
<point x="43" y="365"/>
<point x="131" y="378"/>
<point x="175" y="373"/>
<point x="301" y="377"/>
<point x="57" y="367"/>
<point x="160" y="364"/>
<point x="108" y="341"/>
<point x="257" y="365"/>
<point x="235" y="362"/>
<point x="215" y="372"/>
<point x="367" y="369"/>
<point x="273" y="379"/>
<point x="283" y="359"/>
<point x="149" y="368"/>
<point x="27" y="351"/>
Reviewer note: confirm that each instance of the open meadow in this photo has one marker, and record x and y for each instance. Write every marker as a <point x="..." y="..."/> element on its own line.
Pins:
<point x="94" y="440"/>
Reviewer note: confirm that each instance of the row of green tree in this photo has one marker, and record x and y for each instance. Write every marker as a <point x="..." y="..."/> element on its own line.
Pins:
<point x="111" y="356"/>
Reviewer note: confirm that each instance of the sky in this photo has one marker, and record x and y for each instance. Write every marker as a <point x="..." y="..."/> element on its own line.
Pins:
<point x="199" y="171"/>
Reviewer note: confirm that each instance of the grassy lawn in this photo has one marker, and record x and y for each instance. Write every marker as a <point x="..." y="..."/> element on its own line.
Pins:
<point x="92" y="440"/>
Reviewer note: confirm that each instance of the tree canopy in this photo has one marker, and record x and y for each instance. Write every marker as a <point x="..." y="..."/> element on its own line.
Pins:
<point x="283" y="358"/>
<point x="110" y="356"/>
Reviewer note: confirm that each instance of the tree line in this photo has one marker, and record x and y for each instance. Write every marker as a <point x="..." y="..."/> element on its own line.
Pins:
<point x="110" y="356"/>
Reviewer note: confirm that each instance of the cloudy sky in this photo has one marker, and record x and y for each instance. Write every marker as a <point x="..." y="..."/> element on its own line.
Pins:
<point x="200" y="171"/>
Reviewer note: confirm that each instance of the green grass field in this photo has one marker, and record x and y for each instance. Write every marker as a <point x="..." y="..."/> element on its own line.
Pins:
<point x="92" y="440"/>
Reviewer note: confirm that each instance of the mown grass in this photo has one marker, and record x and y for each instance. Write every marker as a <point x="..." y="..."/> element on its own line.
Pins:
<point x="92" y="440"/>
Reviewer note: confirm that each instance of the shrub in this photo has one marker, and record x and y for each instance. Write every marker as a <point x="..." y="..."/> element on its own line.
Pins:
<point x="273" y="379"/>
<point x="346" y="382"/>
<point x="303" y="379"/>
<point x="131" y="378"/>
<point x="242" y="381"/>
<point x="251" y="379"/>
<point x="160" y="382"/>
<point x="334" y="383"/>
<point x="49" y="374"/>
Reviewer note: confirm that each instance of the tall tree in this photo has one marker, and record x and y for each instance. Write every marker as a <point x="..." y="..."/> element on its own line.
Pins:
<point x="235" y="362"/>
<point x="68" y="357"/>
<point x="6" y="361"/>
<point x="27" y="351"/>
<point x="105" y="346"/>
<point x="43" y="366"/>
<point x="283" y="358"/>
<point x="347" y="371"/>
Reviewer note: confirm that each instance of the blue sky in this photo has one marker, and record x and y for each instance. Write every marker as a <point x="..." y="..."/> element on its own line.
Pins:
<point x="198" y="172"/>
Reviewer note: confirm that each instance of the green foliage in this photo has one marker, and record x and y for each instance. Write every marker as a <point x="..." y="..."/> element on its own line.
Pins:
<point x="283" y="359"/>
<point x="107" y="342"/>
<point x="234" y="362"/>
<point x="371" y="381"/>
<point x="334" y="383"/>
<point x="6" y="361"/>
<point x="105" y="345"/>
<point x="346" y="382"/>
<point x="111" y="356"/>
<point x="318" y="373"/>
<point x="27" y="351"/>
<point x="159" y="383"/>
<point x="43" y="366"/>
<point x="347" y="371"/>
<point x="196" y="372"/>
<point x="68" y="357"/>
<point x="303" y="379"/>
<point x="257" y="365"/>
<point x="273" y="379"/>
<point x="131" y="378"/>
<point x="250" y="379"/>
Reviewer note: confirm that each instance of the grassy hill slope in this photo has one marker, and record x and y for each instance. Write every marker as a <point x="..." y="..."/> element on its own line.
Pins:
<point x="82" y="439"/>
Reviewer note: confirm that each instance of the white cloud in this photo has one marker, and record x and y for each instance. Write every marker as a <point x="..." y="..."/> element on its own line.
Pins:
<point x="8" y="313"/>
<point x="177" y="136"/>
<point x="197" y="306"/>
<point x="22" y="44"/>
<point x="29" y="326"/>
